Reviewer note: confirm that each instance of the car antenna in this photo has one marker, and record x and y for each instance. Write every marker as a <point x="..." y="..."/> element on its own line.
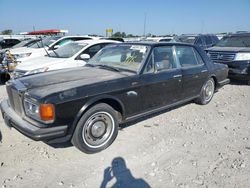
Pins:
<point x="44" y="47"/>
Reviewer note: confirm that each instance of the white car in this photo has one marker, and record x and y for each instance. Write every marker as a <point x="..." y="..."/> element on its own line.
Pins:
<point x="41" y="48"/>
<point x="70" y="55"/>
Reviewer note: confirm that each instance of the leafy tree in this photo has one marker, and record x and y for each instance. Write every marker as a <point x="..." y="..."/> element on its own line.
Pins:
<point x="7" y="32"/>
<point x="119" y="34"/>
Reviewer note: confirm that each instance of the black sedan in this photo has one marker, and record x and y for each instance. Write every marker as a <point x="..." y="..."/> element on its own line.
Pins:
<point x="122" y="82"/>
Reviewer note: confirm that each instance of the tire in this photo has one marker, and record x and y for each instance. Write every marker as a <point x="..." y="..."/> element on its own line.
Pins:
<point x="96" y="130"/>
<point x="4" y="78"/>
<point x="207" y="92"/>
<point x="248" y="82"/>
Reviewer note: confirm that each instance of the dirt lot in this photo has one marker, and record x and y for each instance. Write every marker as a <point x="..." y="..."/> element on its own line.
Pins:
<point x="191" y="146"/>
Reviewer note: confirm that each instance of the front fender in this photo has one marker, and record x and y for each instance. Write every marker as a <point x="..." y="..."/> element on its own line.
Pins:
<point x="90" y="103"/>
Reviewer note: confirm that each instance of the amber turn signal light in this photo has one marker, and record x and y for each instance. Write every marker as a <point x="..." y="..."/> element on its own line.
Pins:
<point x="47" y="112"/>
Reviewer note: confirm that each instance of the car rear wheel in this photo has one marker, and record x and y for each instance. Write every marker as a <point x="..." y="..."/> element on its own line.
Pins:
<point x="207" y="92"/>
<point x="97" y="129"/>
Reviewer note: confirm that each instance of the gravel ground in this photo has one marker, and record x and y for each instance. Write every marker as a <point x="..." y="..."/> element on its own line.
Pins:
<point x="190" y="146"/>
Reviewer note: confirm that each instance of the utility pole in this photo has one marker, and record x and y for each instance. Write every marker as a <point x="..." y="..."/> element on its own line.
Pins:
<point x="144" y="27"/>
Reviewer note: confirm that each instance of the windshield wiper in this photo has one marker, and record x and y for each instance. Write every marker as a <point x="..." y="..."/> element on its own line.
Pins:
<point x="89" y="65"/>
<point x="108" y="67"/>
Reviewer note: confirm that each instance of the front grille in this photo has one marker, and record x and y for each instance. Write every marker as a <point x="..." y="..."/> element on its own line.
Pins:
<point x="10" y="95"/>
<point x="15" y="97"/>
<point x="217" y="56"/>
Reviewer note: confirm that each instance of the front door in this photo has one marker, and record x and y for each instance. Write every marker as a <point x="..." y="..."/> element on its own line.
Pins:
<point x="161" y="80"/>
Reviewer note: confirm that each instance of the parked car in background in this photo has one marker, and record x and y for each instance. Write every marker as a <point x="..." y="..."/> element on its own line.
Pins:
<point x="8" y="43"/>
<point x="41" y="48"/>
<point x="202" y="40"/>
<point x="23" y="43"/>
<point x="4" y="68"/>
<point x="73" y="54"/>
<point x="122" y="82"/>
<point x="234" y="51"/>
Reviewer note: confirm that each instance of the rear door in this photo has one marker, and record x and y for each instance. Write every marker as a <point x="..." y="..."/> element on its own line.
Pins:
<point x="194" y="71"/>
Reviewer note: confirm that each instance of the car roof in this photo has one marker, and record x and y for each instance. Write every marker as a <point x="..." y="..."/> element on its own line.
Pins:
<point x="96" y="41"/>
<point x="154" y="44"/>
<point x="238" y="34"/>
<point x="79" y="36"/>
<point x="195" y="35"/>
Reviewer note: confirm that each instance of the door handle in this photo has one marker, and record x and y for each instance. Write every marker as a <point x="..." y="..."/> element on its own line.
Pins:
<point x="177" y="76"/>
<point x="204" y="71"/>
<point x="134" y="83"/>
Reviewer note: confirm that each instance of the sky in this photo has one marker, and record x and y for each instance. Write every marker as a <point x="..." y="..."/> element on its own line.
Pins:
<point x="94" y="17"/>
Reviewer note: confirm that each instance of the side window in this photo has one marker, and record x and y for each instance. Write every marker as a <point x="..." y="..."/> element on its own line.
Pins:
<point x="63" y="42"/>
<point x="93" y="50"/>
<point x="186" y="56"/>
<point x="163" y="58"/>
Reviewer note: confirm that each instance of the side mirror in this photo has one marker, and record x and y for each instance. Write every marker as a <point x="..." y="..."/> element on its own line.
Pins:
<point x="56" y="46"/>
<point x="85" y="57"/>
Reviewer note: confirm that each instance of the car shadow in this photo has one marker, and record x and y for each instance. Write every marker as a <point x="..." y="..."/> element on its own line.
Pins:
<point x="1" y="136"/>
<point x="60" y="145"/>
<point x="119" y="175"/>
<point x="237" y="82"/>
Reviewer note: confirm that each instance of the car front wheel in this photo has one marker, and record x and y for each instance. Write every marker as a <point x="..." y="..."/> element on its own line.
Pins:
<point x="97" y="129"/>
<point x="207" y="92"/>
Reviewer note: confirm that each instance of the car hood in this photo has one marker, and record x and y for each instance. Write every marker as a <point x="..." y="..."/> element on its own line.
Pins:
<point x="23" y="50"/>
<point x="39" y="62"/>
<point x="229" y="49"/>
<point x="67" y="79"/>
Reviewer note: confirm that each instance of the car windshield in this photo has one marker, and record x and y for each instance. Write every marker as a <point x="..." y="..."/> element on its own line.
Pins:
<point x="234" y="41"/>
<point x="185" y="39"/>
<point x="45" y="42"/>
<point x="121" y="57"/>
<point x="67" y="50"/>
<point x="21" y="44"/>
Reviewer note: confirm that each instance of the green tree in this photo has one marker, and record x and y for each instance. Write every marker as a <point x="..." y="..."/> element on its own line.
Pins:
<point x="119" y="34"/>
<point x="7" y="32"/>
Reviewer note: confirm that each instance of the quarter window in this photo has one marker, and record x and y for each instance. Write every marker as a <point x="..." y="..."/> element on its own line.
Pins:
<point x="187" y="56"/>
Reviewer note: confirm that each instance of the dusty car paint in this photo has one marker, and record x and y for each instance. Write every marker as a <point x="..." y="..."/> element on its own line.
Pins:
<point x="73" y="91"/>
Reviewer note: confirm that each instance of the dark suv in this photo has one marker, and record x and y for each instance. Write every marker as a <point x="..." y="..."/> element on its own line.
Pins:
<point x="202" y="40"/>
<point x="234" y="51"/>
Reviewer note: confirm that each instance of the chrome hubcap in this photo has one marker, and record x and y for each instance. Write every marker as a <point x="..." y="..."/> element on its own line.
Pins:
<point x="209" y="90"/>
<point x="98" y="129"/>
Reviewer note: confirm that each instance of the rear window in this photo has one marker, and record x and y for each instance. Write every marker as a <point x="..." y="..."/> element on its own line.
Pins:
<point x="186" y="39"/>
<point x="234" y="41"/>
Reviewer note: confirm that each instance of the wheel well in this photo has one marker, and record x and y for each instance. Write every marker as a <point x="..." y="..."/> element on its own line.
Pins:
<point x="4" y="78"/>
<point x="114" y="104"/>
<point x="215" y="81"/>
